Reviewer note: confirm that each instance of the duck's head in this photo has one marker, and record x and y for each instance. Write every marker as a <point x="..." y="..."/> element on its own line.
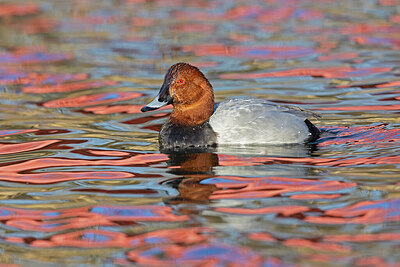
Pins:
<point x="190" y="93"/>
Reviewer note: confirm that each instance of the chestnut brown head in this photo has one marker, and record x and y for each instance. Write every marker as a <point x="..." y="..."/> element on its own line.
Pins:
<point x="189" y="91"/>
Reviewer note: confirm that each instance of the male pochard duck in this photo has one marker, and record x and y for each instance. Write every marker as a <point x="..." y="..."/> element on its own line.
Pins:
<point x="196" y="122"/>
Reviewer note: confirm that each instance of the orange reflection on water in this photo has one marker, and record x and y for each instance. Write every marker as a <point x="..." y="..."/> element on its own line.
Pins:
<point x="131" y="109"/>
<point x="88" y="239"/>
<point x="56" y="177"/>
<point x="261" y="187"/>
<point x="67" y="87"/>
<point x="76" y="218"/>
<point x="333" y="162"/>
<point x="139" y="213"/>
<point x="15" y="132"/>
<point x="365" y="212"/>
<point x="33" y="79"/>
<point x="38" y="26"/>
<point x="95" y="99"/>
<point x="363" y="237"/>
<point x="208" y="254"/>
<point x="370" y="107"/>
<point x="10" y="9"/>
<point x="276" y="15"/>
<point x="389" y="84"/>
<point x="254" y="52"/>
<point x="375" y="261"/>
<point x="284" y="210"/>
<point x="326" y="72"/>
<point x="114" y="109"/>
<point x="376" y="135"/>
<point x="318" y="246"/>
<point x="22" y="171"/>
<point x="264" y="237"/>
<point x="31" y="55"/>
<point x="392" y="42"/>
<point x="7" y="148"/>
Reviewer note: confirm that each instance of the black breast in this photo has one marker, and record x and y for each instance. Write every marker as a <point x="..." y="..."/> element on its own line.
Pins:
<point x="174" y="136"/>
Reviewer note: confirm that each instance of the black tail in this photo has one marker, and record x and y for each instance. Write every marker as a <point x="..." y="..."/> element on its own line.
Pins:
<point x="315" y="132"/>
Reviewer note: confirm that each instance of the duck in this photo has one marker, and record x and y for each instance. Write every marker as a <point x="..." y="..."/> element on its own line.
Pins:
<point x="196" y="121"/>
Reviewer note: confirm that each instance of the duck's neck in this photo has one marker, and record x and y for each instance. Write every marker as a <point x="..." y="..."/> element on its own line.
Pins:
<point x="193" y="114"/>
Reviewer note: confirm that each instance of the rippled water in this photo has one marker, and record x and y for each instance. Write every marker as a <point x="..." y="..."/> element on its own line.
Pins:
<point x="83" y="182"/>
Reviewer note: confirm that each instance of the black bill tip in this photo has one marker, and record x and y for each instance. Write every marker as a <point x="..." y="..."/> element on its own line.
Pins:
<point x="147" y="108"/>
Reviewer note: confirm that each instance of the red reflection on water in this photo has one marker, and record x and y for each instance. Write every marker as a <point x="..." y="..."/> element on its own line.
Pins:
<point x="90" y="238"/>
<point x="183" y="236"/>
<point x="56" y="177"/>
<point x="213" y="254"/>
<point x="147" y="118"/>
<point x="195" y="27"/>
<point x="31" y="55"/>
<point x="114" y="109"/>
<point x="9" y="9"/>
<point x="76" y="218"/>
<point x="375" y="261"/>
<point x="261" y="187"/>
<point x="14" y="132"/>
<point x="371" y="107"/>
<point x="338" y="162"/>
<point x="362" y="28"/>
<point x="338" y="56"/>
<point x="309" y="14"/>
<point x="303" y="243"/>
<point x="326" y="72"/>
<point x="366" y="212"/>
<point x="119" y="109"/>
<point x="139" y="213"/>
<point x="240" y="12"/>
<point x="21" y="171"/>
<point x="395" y="18"/>
<point x="389" y="2"/>
<point x="34" y="164"/>
<point x="276" y="15"/>
<point x="143" y="21"/>
<point x="195" y="15"/>
<point x="23" y="147"/>
<point x="363" y="237"/>
<point x="284" y="210"/>
<point x="67" y="87"/>
<point x="95" y="99"/>
<point x="120" y="191"/>
<point x="392" y="42"/>
<point x="102" y="153"/>
<point x="315" y="196"/>
<point x="376" y="135"/>
<point x="253" y="52"/>
<point x="37" y="25"/>
<point x="35" y="79"/>
<point x="264" y="237"/>
<point x="58" y="224"/>
<point x="389" y="84"/>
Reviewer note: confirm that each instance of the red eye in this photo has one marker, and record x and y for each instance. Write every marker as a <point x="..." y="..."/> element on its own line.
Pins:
<point x="180" y="81"/>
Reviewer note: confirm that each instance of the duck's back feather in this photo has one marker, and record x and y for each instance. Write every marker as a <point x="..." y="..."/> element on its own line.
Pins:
<point x="250" y="121"/>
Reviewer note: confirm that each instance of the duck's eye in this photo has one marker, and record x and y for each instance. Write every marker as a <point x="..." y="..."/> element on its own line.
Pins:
<point x="180" y="81"/>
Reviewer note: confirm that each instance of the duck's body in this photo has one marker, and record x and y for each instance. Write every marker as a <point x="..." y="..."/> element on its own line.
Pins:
<point x="195" y="122"/>
<point x="257" y="121"/>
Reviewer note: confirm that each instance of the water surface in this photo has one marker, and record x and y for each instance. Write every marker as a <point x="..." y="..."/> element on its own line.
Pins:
<point x="82" y="179"/>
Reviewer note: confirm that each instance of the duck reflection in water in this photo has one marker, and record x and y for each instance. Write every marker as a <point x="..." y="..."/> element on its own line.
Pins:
<point x="193" y="167"/>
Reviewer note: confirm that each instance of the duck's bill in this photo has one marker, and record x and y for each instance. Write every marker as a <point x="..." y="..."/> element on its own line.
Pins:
<point x="153" y="105"/>
<point x="162" y="99"/>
